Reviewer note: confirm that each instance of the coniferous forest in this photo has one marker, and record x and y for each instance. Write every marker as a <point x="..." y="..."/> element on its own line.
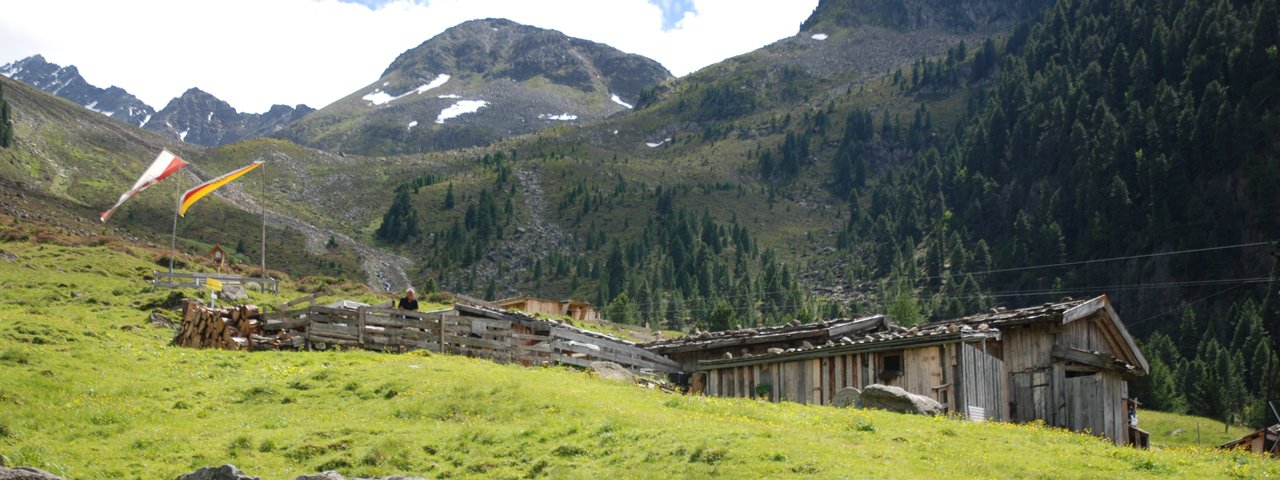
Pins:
<point x="1119" y="147"/>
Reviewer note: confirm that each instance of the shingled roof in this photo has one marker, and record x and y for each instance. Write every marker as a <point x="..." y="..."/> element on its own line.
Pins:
<point x="755" y="336"/>
<point x="973" y="326"/>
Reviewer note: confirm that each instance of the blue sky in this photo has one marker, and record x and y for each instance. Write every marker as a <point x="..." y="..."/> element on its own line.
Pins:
<point x="255" y="53"/>
<point x="672" y="10"/>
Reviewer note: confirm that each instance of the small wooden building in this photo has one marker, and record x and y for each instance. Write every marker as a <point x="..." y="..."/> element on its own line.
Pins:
<point x="1265" y="441"/>
<point x="1065" y="363"/>
<point x="690" y="350"/>
<point x="576" y="309"/>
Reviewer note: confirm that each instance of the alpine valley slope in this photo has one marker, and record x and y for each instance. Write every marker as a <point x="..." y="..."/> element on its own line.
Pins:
<point x="68" y="163"/>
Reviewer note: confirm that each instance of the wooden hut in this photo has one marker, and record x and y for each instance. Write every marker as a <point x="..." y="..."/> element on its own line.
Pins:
<point x="690" y="350"/>
<point x="1065" y="363"/>
<point x="531" y="305"/>
<point x="576" y="309"/>
<point x="1265" y="441"/>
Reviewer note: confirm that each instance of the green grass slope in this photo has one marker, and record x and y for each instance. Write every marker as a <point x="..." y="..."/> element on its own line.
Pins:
<point x="88" y="391"/>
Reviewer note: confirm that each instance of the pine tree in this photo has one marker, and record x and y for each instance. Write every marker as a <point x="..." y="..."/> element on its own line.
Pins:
<point x="6" y="127"/>
<point x="400" y="223"/>
<point x="448" y="197"/>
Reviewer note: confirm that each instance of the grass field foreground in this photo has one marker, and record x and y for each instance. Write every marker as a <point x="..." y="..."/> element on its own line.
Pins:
<point x="87" y="391"/>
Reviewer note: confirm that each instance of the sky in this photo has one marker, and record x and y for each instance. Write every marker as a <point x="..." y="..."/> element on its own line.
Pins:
<point x="255" y="53"/>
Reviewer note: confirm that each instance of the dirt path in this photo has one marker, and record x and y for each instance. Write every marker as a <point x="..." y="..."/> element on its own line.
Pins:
<point x="383" y="270"/>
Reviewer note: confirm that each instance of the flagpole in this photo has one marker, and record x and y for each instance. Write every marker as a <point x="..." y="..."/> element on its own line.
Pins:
<point x="173" y="237"/>
<point x="263" y="205"/>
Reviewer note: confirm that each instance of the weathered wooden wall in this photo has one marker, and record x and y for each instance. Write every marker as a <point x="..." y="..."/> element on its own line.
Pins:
<point x="929" y="370"/>
<point x="981" y="388"/>
<point x="506" y="341"/>
<point x="1043" y="386"/>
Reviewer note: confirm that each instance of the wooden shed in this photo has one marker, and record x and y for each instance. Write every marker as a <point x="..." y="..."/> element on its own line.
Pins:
<point x="576" y="309"/>
<point x="958" y="366"/>
<point x="531" y="305"/>
<point x="1066" y="363"/>
<point x="1264" y="441"/>
<point x="689" y="350"/>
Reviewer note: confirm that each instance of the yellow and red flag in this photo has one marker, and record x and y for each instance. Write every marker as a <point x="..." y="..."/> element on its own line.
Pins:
<point x="192" y="196"/>
<point x="163" y="166"/>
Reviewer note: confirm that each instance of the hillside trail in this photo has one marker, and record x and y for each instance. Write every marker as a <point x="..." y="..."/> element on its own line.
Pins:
<point x="383" y="271"/>
<point x="533" y="239"/>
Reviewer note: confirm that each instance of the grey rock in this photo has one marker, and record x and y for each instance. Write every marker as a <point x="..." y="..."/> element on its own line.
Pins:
<point x="895" y="399"/>
<point x="328" y="475"/>
<point x="612" y="371"/>
<point x="332" y="475"/>
<point x="225" y="472"/>
<point x="234" y="293"/>
<point x="847" y="397"/>
<point x="158" y="320"/>
<point x="26" y="473"/>
<point x="775" y="351"/>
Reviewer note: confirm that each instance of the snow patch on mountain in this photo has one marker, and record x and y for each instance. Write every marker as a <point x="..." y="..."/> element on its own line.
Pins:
<point x="461" y="107"/>
<point x="440" y="79"/>
<point x="619" y="101"/>
<point x="564" y="117"/>
<point x="413" y="124"/>
<point x="378" y="98"/>
<point x="819" y="36"/>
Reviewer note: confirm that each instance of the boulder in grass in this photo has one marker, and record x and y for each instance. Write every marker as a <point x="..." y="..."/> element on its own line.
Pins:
<point x="26" y="473"/>
<point x="895" y="399"/>
<point x="225" y="472"/>
<point x="847" y="397"/>
<point x="234" y="293"/>
<point x="612" y="371"/>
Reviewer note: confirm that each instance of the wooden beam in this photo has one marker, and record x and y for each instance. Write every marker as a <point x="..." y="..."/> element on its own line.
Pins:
<point x="1087" y="358"/>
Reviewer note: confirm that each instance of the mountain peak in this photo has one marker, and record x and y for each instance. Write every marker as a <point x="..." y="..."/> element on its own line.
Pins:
<point x="487" y="79"/>
<point x="501" y="48"/>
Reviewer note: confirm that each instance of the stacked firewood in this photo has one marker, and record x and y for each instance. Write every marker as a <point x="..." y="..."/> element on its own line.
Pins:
<point x="225" y="328"/>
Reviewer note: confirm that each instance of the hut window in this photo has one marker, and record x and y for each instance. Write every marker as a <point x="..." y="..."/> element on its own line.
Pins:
<point x="890" y="366"/>
<point x="1081" y="373"/>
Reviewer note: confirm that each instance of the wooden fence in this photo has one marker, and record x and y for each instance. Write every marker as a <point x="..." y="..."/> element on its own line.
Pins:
<point x="466" y="331"/>
<point x="165" y="279"/>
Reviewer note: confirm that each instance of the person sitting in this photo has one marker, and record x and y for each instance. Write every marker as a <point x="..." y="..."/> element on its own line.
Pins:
<point x="410" y="300"/>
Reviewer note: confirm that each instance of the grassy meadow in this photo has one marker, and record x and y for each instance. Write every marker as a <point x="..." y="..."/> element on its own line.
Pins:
<point x="88" y="390"/>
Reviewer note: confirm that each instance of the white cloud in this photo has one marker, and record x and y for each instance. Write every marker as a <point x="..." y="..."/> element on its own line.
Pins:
<point x="253" y="53"/>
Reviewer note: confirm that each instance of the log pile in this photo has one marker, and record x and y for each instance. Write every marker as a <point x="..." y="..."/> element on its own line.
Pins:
<point x="226" y="328"/>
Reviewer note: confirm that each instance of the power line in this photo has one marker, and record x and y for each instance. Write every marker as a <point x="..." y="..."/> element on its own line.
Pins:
<point x="1188" y="304"/>
<point x="1101" y="260"/>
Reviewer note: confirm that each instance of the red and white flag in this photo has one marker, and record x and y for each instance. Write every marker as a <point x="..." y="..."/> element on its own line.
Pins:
<point x="165" y="165"/>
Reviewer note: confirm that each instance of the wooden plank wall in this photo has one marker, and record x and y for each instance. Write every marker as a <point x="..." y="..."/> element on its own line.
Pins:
<point x="922" y="371"/>
<point x="1086" y="334"/>
<point x="811" y="381"/>
<point x="982" y="382"/>
<point x="1094" y="403"/>
<point x="499" y="340"/>
<point x="1028" y="357"/>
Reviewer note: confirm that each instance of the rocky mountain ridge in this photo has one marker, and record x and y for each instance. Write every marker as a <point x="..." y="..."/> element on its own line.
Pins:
<point x="194" y="117"/>
<point x="478" y="82"/>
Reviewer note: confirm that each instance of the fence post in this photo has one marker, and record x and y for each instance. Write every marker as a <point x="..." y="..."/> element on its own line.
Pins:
<point x="360" y="313"/>
<point x="440" y="319"/>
